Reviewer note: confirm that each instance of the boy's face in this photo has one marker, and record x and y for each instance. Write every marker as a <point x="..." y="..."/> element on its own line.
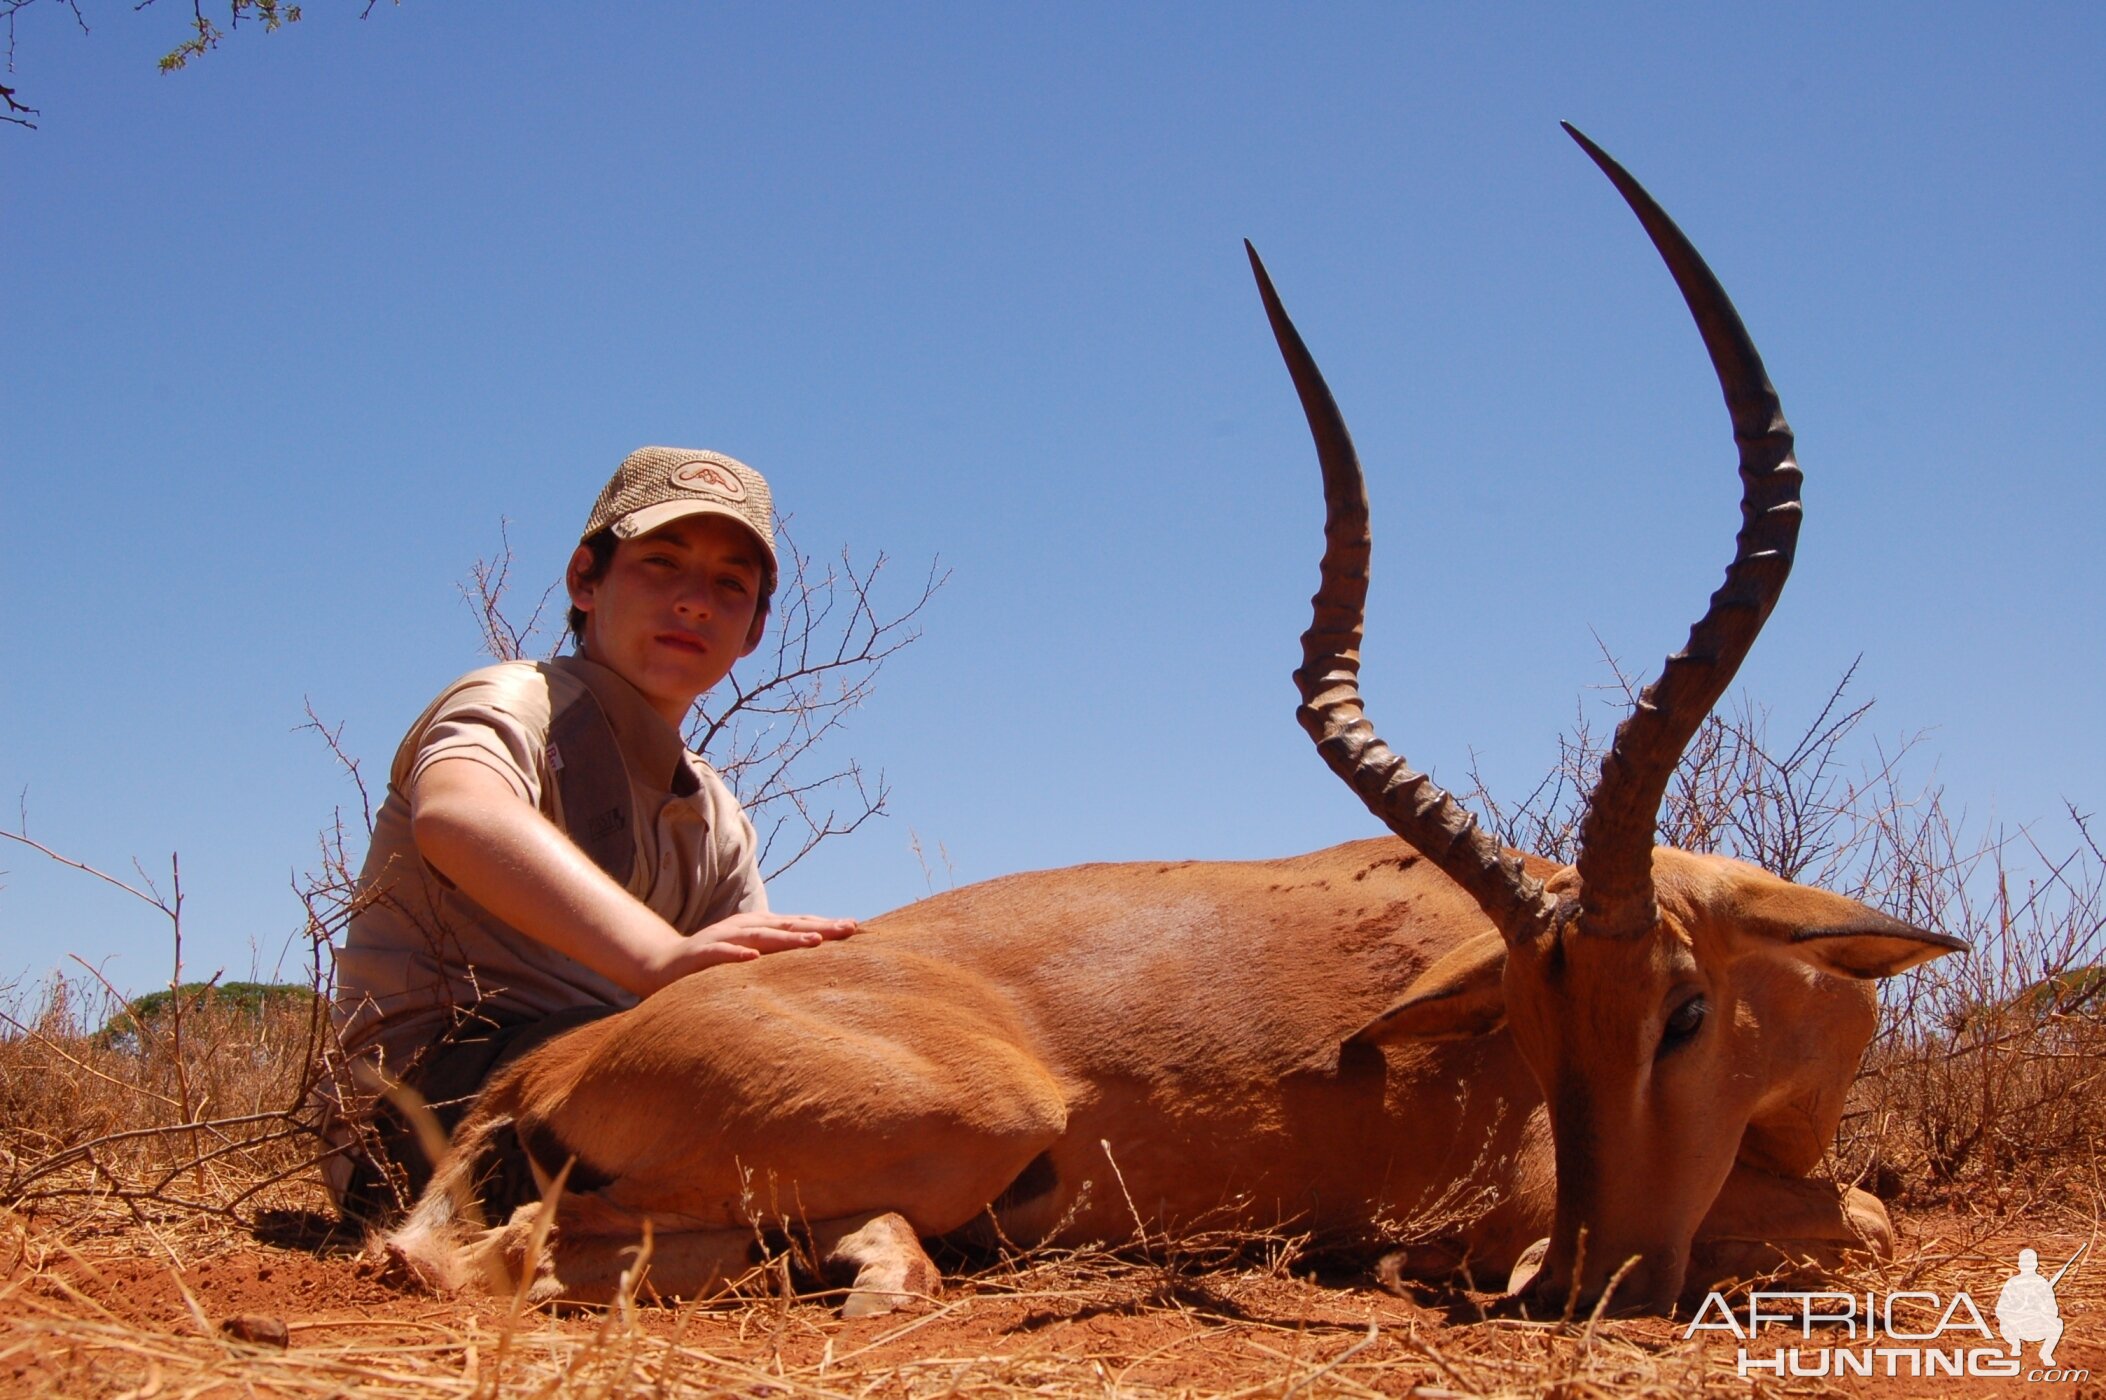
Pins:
<point x="674" y="610"/>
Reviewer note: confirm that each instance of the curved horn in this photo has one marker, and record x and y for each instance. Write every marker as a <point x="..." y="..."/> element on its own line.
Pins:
<point x="1408" y="802"/>
<point x="1616" y="839"/>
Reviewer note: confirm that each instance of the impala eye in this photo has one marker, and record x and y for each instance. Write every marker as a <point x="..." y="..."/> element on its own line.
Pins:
<point x="1683" y="1023"/>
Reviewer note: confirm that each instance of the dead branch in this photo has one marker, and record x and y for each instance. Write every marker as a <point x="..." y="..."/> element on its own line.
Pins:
<point x="831" y="641"/>
<point x="489" y="580"/>
<point x="334" y="739"/>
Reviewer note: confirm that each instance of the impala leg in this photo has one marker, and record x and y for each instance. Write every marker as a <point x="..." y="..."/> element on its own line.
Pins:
<point x="1500" y="1246"/>
<point x="876" y="1254"/>
<point x="1763" y="1222"/>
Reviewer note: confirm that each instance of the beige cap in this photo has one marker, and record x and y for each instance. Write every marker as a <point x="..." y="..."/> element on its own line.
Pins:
<point x="655" y="486"/>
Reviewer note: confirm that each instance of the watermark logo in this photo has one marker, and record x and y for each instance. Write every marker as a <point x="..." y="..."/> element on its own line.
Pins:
<point x="1873" y="1334"/>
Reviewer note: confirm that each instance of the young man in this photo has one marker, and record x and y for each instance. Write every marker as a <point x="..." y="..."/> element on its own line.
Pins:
<point x="549" y="850"/>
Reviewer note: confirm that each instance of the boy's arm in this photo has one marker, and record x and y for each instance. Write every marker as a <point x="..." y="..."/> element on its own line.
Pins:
<point x="506" y="856"/>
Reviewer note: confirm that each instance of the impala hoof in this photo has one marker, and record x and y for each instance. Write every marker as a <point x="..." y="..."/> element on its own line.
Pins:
<point x="1527" y="1266"/>
<point x="864" y="1303"/>
<point x="891" y="1269"/>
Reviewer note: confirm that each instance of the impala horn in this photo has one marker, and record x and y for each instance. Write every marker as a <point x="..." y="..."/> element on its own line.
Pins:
<point x="1616" y="839"/>
<point x="1407" y="801"/>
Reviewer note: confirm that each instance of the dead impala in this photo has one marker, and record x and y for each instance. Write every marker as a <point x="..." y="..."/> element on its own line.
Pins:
<point x="1426" y="1042"/>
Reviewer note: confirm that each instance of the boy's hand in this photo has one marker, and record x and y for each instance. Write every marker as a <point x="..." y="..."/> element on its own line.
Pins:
<point x="744" y="937"/>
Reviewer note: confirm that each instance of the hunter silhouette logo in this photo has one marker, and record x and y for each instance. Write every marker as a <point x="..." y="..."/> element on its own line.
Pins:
<point x="2026" y="1311"/>
<point x="1893" y="1334"/>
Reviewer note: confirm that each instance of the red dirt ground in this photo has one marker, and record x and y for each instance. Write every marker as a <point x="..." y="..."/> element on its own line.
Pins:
<point x="119" y="1314"/>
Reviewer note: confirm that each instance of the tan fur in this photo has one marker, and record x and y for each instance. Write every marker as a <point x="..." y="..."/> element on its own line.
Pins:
<point x="1173" y="1038"/>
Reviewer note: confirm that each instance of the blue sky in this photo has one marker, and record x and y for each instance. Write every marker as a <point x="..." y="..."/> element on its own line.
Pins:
<point x="291" y="331"/>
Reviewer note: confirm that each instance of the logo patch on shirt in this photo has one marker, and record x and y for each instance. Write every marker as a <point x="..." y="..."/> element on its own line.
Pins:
<point x="706" y="478"/>
<point x="605" y="824"/>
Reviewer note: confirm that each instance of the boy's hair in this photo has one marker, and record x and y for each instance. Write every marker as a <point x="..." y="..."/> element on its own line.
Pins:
<point x="602" y="543"/>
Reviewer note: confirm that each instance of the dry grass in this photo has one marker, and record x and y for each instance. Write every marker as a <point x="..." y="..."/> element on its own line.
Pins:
<point x="1069" y="1323"/>
<point x="140" y="1126"/>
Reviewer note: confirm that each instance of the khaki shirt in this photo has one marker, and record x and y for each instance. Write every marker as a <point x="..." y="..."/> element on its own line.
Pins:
<point x="420" y="955"/>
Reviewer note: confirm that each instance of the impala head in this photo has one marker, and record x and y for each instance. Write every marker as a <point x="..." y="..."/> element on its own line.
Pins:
<point x="1680" y="1012"/>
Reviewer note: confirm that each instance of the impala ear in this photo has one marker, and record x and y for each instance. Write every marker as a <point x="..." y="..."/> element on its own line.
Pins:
<point x="1462" y="995"/>
<point x="1872" y="945"/>
<point x="1837" y="935"/>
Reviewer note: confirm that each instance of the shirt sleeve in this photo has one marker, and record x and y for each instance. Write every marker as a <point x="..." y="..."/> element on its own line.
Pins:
<point x="493" y="717"/>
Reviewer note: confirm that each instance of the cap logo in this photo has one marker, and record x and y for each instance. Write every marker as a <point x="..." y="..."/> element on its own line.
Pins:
<point x="709" y="479"/>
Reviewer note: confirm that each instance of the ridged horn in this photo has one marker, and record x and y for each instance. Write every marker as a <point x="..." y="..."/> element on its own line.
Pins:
<point x="1616" y="838"/>
<point x="1406" y="801"/>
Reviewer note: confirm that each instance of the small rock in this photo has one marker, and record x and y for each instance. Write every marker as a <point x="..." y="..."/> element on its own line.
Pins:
<point x="257" y="1330"/>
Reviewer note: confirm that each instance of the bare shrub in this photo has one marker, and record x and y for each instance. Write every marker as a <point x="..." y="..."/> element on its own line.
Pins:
<point x="829" y="641"/>
<point x="103" y="1109"/>
<point x="486" y="590"/>
<point x="1984" y="1085"/>
<point x="1801" y="808"/>
<point x="183" y="1101"/>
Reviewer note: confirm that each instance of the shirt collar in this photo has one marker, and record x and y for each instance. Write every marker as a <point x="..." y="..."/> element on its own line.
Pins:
<point x="653" y="746"/>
